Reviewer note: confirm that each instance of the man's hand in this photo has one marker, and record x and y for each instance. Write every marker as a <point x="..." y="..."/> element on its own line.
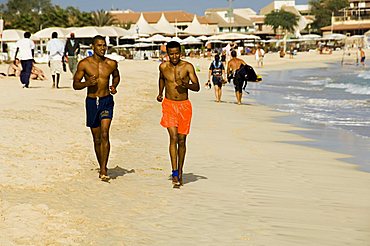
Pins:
<point x="91" y="81"/>
<point x="112" y="89"/>
<point x="160" y="98"/>
<point x="184" y="84"/>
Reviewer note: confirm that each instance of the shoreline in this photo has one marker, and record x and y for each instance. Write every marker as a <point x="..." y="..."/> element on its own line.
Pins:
<point x="243" y="182"/>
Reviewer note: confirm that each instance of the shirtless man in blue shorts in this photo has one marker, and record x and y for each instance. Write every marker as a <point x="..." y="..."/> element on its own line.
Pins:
<point x="96" y="71"/>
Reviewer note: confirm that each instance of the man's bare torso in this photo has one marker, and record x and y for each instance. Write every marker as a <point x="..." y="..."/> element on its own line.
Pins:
<point x="101" y="70"/>
<point x="234" y="64"/>
<point x="173" y="77"/>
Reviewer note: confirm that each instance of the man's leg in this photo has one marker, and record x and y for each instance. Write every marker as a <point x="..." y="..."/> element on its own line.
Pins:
<point x="96" y="133"/>
<point x="53" y="76"/>
<point x="181" y="154"/>
<point x="70" y="64"/>
<point x="220" y="93"/>
<point x="74" y="65"/>
<point x="172" y="131"/>
<point x="58" y="78"/>
<point x="105" y="145"/>
<point x="27" y="72"/>
<point x="239" y="97"/>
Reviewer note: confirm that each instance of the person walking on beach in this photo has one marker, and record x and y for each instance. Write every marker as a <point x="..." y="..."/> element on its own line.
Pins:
<point x="174" y="77"/>
<point x="55" y="49"/>
<point x="232" y="66"/>
<point x="25" y="50"/>
<point x="362" y="56"/>
<point x="96" y="70"/>
<point x="71" y="51"/>
<point x="217" y="72"/>
<point x="260" y="54"/>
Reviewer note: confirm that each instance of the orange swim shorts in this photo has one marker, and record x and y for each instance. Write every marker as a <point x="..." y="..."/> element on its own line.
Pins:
<point x="178" y="114"/>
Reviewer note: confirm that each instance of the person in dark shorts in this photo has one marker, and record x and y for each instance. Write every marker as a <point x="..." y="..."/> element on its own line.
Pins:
<point x="217" y="72"/>
<point x="97" y="109"/>
<point x="233" y="65"/>
<point x="96" y="70"/>
<point x="362" y="56"/>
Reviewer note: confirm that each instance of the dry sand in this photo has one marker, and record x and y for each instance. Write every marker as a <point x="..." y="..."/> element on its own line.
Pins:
<point x="244" y="185"/>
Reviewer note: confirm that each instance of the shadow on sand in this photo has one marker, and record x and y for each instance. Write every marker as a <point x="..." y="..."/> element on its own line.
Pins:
<point x="113" y="173"/>
<point x="191" y="177"/>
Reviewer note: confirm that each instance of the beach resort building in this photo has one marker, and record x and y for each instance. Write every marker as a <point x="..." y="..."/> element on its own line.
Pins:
<point x="355" y="19"/>
<point x="302" y="11"/>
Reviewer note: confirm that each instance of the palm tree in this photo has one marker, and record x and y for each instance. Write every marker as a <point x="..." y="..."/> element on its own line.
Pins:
<point x="283" y="20"/>
<point x="103" y="18"/>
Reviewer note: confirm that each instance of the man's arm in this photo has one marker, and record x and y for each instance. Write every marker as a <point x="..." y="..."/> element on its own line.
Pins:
<point x="16" y="53"/>
<point x="161" y="84"/>
<point x="90" y="80"/>
<point x="194" y="85"/>
<point x="116" y="79"/>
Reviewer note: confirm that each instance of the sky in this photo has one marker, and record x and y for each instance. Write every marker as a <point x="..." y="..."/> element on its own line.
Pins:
<point x="193" y="6"/>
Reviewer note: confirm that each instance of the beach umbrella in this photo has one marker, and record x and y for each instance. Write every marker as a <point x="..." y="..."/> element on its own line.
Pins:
<point x="12" y="35"/>
<point x="336" y="36"/>
<point x="91" y="31"/>
<point x="130" y="36"/>
<point x="191" y="40"/>
<point x="158" y="38"/>
<point x="116" y="31"/>
<point x="203" y="38"/>
<point x="46" y="33"/>
<point x="177" y="39"/>
<point x="143" y="40"/>
<point x="142" y="45"/>
<point x="310" y="37"/>
<point x="233" y="36"/>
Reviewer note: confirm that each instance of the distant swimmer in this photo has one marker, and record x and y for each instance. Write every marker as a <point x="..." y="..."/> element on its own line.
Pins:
<point x="97" y="70"/>
<point x="176" y="78"/>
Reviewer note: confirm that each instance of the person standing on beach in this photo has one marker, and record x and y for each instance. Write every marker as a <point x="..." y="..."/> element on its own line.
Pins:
<point x="260" y="54"/>
<point x="55" y="49"/>
<point x="217" y="72"/>
<point x="96" y="70"/>
<point x="174" y="77"/>
<point x="26" y="51"/>
<point x="232" y="66"/>
<point x="362" y="56"/>
<point x="71" y="51"/>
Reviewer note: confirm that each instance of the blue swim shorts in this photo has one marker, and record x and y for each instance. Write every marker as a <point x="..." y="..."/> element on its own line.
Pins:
<point x="97" y="109"/>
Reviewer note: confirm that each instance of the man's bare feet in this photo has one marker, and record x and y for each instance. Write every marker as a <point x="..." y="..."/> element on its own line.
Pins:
<point x="175" y="179"/>
<point x="104" y="176"/>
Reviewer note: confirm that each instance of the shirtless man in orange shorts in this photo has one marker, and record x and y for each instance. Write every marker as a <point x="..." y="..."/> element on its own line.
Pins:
<point x="175" y="76"/>
<point x="96" y="70"/>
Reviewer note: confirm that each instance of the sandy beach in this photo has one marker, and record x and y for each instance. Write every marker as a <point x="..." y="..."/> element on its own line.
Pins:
<point x="244" y="183"/>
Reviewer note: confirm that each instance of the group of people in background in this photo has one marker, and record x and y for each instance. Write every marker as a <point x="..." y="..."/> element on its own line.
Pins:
<point x="59" y="54"/>
<point x="219" y="74"/>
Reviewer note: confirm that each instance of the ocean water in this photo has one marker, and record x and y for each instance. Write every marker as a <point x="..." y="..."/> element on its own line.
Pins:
<point x="333" y="102"/>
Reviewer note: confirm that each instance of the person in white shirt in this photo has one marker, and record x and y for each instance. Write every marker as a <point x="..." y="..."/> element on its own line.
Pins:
<point x="260" y="53"/>
<point x="25" y="50"/>
<point x="55" y="49"/>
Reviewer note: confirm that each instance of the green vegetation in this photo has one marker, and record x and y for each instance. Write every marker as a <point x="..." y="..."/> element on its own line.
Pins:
<point x="34" y="15"/>
<point x="282" y="20"/>
<point x="323" y="10"/>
